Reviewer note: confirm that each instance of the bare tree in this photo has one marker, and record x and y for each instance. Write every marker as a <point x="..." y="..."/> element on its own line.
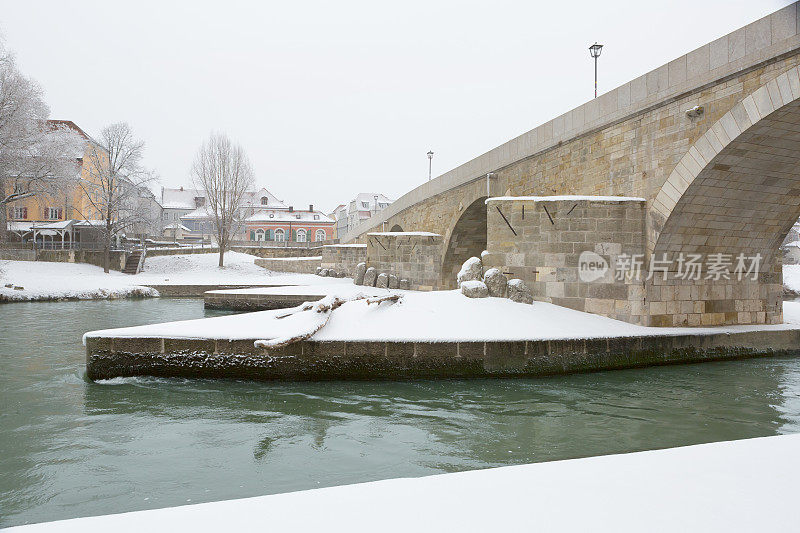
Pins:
<point x="35" y="156"/>
<point x="223" y="171"/>
<point x="113" y="182"/>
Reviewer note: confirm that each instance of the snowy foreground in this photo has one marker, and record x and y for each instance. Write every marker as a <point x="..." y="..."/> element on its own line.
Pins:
<point x="745" y="485"/>
<point x="46" y="281"/>
<point x="421" y="316"/>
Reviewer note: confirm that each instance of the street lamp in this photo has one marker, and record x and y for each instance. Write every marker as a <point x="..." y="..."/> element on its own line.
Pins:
<point x="594" y="51"/>
<point x="430" y="164"/>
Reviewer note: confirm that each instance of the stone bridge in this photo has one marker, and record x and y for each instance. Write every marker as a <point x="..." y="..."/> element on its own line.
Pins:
<point x="711" y="144"/>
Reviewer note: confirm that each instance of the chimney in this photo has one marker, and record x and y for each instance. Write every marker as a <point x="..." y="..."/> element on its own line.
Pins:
<point x="311" y="207"/>
<point x="291" y="209"/>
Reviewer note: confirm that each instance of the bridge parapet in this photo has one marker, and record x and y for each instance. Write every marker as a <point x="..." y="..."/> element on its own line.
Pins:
<point x="766" y="40"/>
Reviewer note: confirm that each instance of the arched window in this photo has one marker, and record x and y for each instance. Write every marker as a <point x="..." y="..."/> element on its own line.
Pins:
<point x="259" y="234"/>
<point x="301" y="235"/>
<point x="264" y="200"/>
<point x="279" y="235"/>
<point x="320" y="235"/>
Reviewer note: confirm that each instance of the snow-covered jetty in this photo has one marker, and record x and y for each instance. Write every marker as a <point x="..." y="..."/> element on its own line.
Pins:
<point x="417" y="335"/>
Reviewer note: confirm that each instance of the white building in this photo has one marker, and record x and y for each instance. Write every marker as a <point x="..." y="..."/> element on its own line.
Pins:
<point x="362" y="207"/>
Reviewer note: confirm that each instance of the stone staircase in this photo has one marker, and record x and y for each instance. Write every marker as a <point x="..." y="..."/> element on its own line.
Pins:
<point x="133" y="263"/>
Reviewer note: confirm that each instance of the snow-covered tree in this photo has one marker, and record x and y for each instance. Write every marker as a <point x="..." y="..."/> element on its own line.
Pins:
<point x="222" y="169"/>
<point x="36" y="157"/>
<point x="113" y="182"/>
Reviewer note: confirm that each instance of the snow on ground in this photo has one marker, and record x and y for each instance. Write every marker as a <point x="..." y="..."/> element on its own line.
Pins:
<point x="745" y="485"/>
<point x="43" y="280"/>
<point x="425" y="317"/>
<point x="46" y="281"/>
<point x="791" y="278"/>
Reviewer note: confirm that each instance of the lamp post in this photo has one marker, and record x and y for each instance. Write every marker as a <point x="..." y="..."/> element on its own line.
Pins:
<point x="430" y="164"/>
<point x="594" y="51"/>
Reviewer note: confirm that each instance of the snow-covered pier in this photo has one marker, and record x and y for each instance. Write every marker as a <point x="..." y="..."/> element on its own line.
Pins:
<point x="423" y="335"/>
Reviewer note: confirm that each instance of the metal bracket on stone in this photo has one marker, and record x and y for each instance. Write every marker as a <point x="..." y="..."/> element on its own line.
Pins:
<point x="507" y="222"/>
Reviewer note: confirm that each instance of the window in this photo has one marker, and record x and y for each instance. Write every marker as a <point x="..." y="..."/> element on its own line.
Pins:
<point x="259" y="234"/>
<point x="297" y="217"/>
<point x="301" y="235"/>
<point x="365" y="205"/>
<point x="165" y="216"/>
<point x="320" y="235"/>
<point x="18" y="212"/>
<point x="264" y="200"/>
<point x="52" y="213"/>
<point x="316" y="217"/>
<point x="279" y="235"/>
<point x="383" y="205"/>
<point x="272" y="215"/>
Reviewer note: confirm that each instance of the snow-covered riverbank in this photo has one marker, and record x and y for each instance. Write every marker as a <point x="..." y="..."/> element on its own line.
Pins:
<point x="745" y="485"/>
<point x="51" y="281"/>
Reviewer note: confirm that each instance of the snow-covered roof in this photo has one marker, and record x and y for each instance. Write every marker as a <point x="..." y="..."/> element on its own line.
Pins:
<point x="253" y="199"/>
<point x="200" y="212"/>
<point x="92" y="223"/>
<point x="176" y="225"/>
<point x="20" y="226"/>
<point x="183" y="198"/>
<point x="180" y="198"/>
<point x="61" y="224"/>
<point x="282" y="215"/>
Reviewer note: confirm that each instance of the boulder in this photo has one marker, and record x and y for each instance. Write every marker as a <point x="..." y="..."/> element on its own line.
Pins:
<point x="519" y="292"/>
<point x="323" y="272"/>
<point x="471" y="270"/>
<point x="370" y="276"/>
<point x="405" y="284"/>
<point x="393" y="281"/>
<point x="474" y="288"/>
<point x="496" y="282"/>
<point x="383" y="281"/>
<point x="361" y="269"/>
<point x="319" y="269"/>
<point x="332" y="273"/>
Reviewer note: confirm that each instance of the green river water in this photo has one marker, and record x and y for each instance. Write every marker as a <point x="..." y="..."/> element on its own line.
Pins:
<point x="70" y="448"/>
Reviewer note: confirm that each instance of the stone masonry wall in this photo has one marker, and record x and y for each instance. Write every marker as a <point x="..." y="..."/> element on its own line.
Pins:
<point x="300" y="265"/>
<point x="415" y="256"/>
<point x="565" y="250"/>
<point x="343" y="257"/>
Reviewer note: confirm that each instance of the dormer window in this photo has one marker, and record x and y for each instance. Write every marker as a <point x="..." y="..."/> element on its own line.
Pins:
<point x="264" y="200"/>
<point x="365" y="205"/>
<point x="316" y="217"/>
<point x="297" y="217"/>
<point x="272" y="215"/>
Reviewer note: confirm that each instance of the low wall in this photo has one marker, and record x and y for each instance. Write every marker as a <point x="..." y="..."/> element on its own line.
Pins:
<point x="412" y="255"/>
<point x="255" y="302"/>
<point x="92" y="257"/>
<point x="344" y="257"/>
<point x="180" y="251"/>
<point x="298" y="265"/>
<point x="197" y="291"/>
<point x="269" y="252"/>
<point x="108" y="357"/>
<point x="17" y="254"/>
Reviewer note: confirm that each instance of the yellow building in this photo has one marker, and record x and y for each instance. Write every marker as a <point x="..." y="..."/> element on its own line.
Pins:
<point x="51" y="207"/>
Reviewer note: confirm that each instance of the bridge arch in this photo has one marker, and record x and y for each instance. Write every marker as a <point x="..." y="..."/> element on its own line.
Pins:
<point x="467" y="239"/>
<point x="736" y="191"/>
<point x="396" y="228"/>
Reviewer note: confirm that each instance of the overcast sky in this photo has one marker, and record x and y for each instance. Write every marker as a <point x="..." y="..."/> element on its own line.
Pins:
<point x="334" y="98"/>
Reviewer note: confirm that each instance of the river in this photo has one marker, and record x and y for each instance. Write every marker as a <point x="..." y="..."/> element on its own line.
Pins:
<point x="71" y="448"/>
